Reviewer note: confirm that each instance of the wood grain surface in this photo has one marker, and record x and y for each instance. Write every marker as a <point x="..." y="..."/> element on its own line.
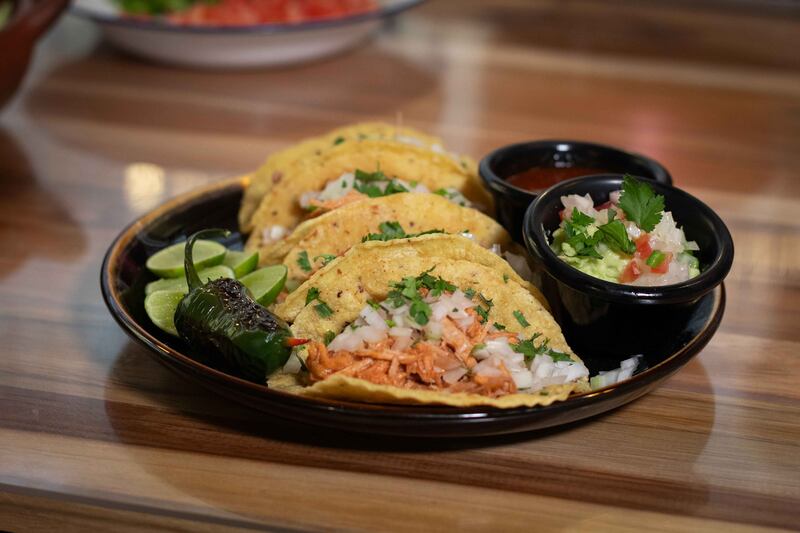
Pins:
<point x="95" y="435"/>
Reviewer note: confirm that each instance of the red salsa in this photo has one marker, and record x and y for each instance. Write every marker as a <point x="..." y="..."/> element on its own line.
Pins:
<point x="537" y="178"/>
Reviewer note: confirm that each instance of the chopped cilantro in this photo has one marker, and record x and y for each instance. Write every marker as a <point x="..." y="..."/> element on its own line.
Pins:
<point x="640" y="203"/>
<point x="521" y="318"/>
<point x="469" y="293"/>
<point x="338" y="140"/>
<point x="329" y="336"/>
<point x="373" y="304"/>
<point x="326" y="258"/>
<point x="559" y="356"/>
<point x="616" y="236"/>
<point x="303" y="262"/>
<point x="368" y="177"/>
<point x="505" y="278"/>
<point x="420" y="311"/>
<point x="311" y="295"/>
<point x="530" y="350"/>
<point x="479" y="346"/>
<point x="390" y="230"/>
<point x="408" y="290"/>
<point x="394" y="187"/>
<point x="498" y="326"/>
<point x="322" y="309"/>
<point x="483" y="313"/>
<point x="578" y="235"/>
<point x="370" y="189"/>
<point x="391" y="323"/>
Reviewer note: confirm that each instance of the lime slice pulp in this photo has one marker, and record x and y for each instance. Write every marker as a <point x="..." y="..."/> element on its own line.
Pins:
<point x="241" y="262"/>
<point x="180" y="284"/>
<point x="266" y="283"/>
<point x="160" y="307"/>
<point x="168" y="263"/>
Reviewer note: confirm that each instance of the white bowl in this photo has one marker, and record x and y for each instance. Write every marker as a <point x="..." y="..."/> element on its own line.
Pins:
<point x="234" y="46"/>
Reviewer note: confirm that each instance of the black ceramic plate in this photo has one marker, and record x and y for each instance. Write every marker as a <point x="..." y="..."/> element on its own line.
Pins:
<point x="124" y="276"/>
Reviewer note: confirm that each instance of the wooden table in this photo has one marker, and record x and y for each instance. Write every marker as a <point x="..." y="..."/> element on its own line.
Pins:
<point x="95" y="435"/>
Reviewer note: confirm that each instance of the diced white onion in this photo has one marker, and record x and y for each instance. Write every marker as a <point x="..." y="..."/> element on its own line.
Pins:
<point x="373" y="318"/>
<point x="452" y="376"/>
<point x="292" y="365"/>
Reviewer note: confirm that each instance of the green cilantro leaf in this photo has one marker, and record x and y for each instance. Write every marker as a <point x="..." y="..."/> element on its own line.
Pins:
<point x="530" y="350"/>
<point x="338" y="140"/>
<point x="394" y="187"/>
<point x="616" y="236"/>
<point x="303" y="262"/>
<point x="640" y="204"/>
<point x="498" y="326"/>
<point x="368" y="177"/>
<point x="559" y="356"/>
<point x="322" y="309"/>
<point x="326" y="258"/>
<point x="311" y="295"/>
<point x="420" y="311"/>
<point x="329" y="336"/>
<point x="521" y="318"/>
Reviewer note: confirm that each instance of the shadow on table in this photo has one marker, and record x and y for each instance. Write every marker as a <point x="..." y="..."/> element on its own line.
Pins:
<point x="36" y="223"/>
<point x="178" y="415"/>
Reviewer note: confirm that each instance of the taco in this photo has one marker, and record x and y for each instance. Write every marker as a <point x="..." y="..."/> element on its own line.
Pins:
<point x="415" y="321"/>
<point x="275" y="168"/>
<point x="317" y="241"/>
<point x="357" y="170"/>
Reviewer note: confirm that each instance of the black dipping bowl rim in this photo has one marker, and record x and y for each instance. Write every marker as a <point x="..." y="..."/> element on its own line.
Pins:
<point x="536" y="243"/>
<point x="499" y="184"/>
<point x="421" y="421"/>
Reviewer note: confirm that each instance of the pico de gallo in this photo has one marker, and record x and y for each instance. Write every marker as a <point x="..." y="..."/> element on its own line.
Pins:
<point x="629" y="239"/>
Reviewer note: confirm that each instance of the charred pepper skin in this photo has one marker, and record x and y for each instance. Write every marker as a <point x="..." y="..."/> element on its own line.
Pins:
<point x="221" y="319"/>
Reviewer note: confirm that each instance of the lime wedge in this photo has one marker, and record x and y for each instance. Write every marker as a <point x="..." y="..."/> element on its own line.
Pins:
<point x="241" y="262"/>
<point x="266" y="283"/>
<point x="179" y="284"/>
<point x="160" y="307"/>
<point x="168" y="263"/>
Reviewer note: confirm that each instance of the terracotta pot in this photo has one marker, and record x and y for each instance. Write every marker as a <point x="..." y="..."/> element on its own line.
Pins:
<point x="29" y="20"/>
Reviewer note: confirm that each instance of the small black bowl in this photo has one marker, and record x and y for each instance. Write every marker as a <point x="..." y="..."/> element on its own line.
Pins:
<point x="610" y="320"/>
<point x="504" y="162"/>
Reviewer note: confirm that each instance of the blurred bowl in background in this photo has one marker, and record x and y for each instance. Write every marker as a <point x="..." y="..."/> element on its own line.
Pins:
<point x="19" y="30"/>
<point x="258" y="45"/>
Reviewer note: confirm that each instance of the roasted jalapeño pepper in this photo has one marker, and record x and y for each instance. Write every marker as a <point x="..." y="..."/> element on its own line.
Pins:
<point x="221" y="320"/>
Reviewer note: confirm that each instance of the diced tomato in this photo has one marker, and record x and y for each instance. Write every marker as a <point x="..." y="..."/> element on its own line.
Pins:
<point x="562" y="214"/>
<point x="643" y="246"/>
<point x="664" y="266"/>
<point x="631" y="273"/>
<point x="251" y="12"/>
<point x="602" y="206"/>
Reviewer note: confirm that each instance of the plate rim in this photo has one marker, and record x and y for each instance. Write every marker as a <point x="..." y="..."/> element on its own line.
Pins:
<point x="639" y="383"/>
<point x="117" y="20"/>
